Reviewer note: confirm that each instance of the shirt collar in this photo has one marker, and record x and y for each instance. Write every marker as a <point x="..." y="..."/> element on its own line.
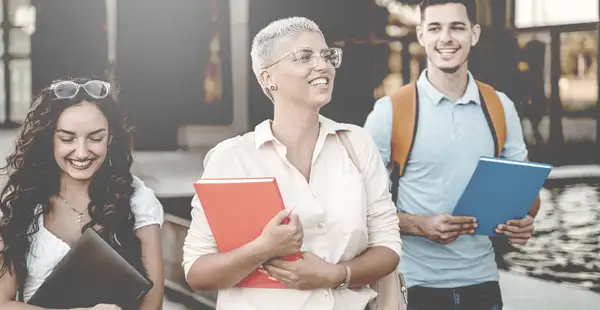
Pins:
<point x="263" y="132"/>
<point x="471" y="93"/>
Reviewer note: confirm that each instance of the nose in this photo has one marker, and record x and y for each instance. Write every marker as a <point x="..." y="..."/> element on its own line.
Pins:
<point x="320" y="63"/>
<point x="446" y="36"/>
<point x="82" y="150"/>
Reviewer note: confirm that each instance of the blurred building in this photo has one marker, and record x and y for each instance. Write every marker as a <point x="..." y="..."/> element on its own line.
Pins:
<point x="184" y="70"/>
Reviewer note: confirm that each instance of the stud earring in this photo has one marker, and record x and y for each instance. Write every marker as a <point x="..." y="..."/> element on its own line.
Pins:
<point x="273" y="87"/>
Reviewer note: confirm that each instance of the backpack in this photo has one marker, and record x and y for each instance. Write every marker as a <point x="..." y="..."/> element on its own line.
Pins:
<point x="405" y="110"/>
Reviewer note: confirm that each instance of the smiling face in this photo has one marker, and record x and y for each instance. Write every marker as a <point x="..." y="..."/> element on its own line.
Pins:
<point x="81" y="141"/>
<point x="302" y="75"/>
<point x="447" y="35"/>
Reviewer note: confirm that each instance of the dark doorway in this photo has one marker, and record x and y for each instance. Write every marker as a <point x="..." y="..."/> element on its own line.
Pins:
<point x="70" y="41"/>
<point x="163" y="56"/>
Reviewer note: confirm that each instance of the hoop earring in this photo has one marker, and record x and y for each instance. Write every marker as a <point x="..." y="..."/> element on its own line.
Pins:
<point x="109" y="162"/>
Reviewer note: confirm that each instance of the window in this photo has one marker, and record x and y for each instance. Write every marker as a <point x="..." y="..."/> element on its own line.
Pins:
<point x="578" y="82"/>
<point x="15" y="48"/>
<point x="537" y="13"/>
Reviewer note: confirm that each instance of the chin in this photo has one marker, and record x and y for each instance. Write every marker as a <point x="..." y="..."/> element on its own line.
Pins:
<point x="320" y="101"/>
<point x="449" y="66"/>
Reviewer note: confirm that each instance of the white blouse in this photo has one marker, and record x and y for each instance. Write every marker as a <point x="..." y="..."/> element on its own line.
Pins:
<point x="47" y="250"/>
<point x="342" y="211"/>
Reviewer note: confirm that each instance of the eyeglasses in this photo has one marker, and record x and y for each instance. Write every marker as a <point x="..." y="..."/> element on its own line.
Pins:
<point x="310" y="58"/>
<point x="69" y="89"/>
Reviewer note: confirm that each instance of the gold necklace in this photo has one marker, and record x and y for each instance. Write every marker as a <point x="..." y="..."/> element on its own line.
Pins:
<point x="79" y="213"/>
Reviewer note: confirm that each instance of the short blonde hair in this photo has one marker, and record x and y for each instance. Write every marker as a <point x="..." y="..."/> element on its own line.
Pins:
<point x="267" y="40"/>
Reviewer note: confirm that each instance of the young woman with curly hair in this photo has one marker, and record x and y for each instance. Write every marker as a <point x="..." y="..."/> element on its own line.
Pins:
<point x="70" y="171"/>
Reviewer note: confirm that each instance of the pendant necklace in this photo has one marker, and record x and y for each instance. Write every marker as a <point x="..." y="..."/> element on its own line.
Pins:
<point x="79" y="213"/>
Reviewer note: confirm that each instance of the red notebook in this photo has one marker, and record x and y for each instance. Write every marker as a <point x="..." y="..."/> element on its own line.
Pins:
<point x="237" y="210"/>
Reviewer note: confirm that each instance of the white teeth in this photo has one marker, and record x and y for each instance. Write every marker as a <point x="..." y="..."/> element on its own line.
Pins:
<point x="81" y="164"/>
<point x="447" y="51"/>
<point x="319" y="81"/>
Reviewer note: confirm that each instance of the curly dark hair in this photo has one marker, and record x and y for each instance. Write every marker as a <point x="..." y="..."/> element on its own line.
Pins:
<point x="33" y="178"/>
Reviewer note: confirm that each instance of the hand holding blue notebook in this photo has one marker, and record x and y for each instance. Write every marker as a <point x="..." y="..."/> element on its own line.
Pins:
<point x="500" y="190"/>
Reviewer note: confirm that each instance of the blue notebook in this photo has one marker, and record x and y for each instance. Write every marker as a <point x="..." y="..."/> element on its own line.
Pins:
<point x="500" y="190"/>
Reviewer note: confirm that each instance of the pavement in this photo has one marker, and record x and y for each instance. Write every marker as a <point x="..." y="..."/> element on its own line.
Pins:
<point x="170" y="305"/>
<point x="520" y="292"/>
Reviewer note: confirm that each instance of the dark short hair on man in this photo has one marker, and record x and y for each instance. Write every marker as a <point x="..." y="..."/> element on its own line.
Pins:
<point x="469" y="5"/>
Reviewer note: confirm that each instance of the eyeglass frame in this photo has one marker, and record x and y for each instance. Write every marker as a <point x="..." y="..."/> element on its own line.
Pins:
<point x="79" y="86"/>
<point x="339" y="51"/>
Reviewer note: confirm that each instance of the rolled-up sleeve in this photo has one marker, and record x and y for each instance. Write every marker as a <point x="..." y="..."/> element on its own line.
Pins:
<point x="382" y="220"/>
<point x="199" y="240"/>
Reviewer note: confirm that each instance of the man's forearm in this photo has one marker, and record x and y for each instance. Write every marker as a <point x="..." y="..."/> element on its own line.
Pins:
<point x="535" y="207"/>
<point x="411" y="224"/>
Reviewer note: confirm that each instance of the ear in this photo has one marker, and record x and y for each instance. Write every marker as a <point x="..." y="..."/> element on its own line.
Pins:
<point x="420" y="35"/>
<point x="266" y="79"/>
<point x="476" y="34"/>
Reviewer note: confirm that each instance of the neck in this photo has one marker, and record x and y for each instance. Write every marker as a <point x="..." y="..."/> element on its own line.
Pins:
<point x="294" y="126"/>
<point x="74" y="190"/>
<point x="453" y="85"/>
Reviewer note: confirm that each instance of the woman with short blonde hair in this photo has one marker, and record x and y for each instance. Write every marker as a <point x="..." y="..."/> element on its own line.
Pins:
<point x="344" y="221"/>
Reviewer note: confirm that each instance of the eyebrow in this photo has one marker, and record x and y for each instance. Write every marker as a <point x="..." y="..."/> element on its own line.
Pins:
<point x="312" y="49"/>
<point x="452" y="24"/>
<point x="72" y="133"/>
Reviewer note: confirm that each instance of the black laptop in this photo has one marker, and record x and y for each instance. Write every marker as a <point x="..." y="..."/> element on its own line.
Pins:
<point x="92" y="272"/>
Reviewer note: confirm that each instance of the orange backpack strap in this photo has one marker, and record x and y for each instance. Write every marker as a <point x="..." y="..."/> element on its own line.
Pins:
<point x="405" y="112"/>
<point x="494" y="114"/>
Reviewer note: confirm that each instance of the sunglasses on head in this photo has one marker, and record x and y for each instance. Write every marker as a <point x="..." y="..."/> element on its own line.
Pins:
<point x="69" y="89"/>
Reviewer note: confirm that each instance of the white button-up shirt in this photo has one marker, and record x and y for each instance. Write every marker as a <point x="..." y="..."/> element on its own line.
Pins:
<point x="342" y="212"/>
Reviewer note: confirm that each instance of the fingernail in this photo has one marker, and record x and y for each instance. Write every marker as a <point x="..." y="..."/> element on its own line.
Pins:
<point x="472" y="232"/>
<point x="271" y="278"/>
<point x="476" y="225"/>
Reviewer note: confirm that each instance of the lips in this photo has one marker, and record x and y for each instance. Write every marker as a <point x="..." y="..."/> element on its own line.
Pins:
<point x="81" y="164"/>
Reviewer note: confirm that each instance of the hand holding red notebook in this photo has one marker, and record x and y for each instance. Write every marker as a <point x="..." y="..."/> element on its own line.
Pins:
<point x="237" y="211"/>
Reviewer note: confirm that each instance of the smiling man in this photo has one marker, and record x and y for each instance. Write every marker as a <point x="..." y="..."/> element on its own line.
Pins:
<point x="452" y="120"/>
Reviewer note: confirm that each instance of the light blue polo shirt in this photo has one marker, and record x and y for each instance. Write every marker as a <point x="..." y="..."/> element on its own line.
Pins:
<point x="450" y="139"/>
